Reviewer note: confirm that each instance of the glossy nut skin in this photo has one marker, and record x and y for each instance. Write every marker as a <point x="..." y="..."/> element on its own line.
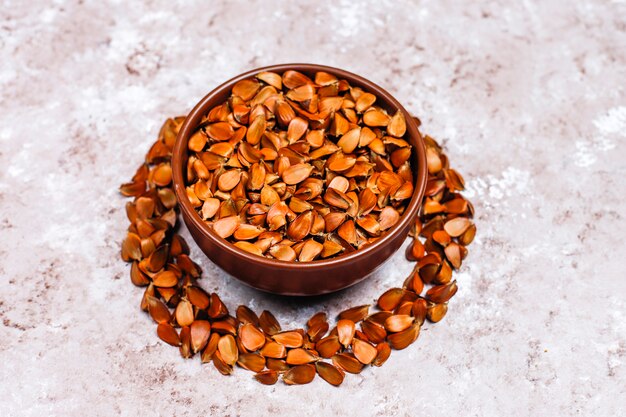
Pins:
<point x="293" y="278"/>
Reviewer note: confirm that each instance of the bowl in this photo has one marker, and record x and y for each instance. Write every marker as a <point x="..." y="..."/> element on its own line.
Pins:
<point x="294" y="278"/>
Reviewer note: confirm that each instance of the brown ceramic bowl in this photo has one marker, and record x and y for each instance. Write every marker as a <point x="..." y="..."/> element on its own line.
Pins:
<point x="293" y="278"/>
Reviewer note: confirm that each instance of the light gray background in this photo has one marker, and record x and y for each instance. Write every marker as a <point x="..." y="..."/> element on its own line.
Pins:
<point x="527" y="97"/>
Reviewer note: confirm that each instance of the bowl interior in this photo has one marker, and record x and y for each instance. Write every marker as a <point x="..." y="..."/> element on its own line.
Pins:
<point x="221" y="93"/>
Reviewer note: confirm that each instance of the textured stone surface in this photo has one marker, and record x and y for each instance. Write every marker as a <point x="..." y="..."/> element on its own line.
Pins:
<point x="528" y="98"/>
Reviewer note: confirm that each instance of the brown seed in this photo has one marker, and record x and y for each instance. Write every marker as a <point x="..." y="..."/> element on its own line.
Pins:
<point x="310" y="250"/>
<point x="297" y="128"/>
<point x="365" y="101"/>
<point x="158" y="310"/>
<point x="328" y="346"/>
<point x="184" y="313"/>
<point x="218" y="308"/>
<point x="220" y="131"/>
<point x="249" y="247"/>
<point x="256" y="130"/>
<point x="246" y="315"/>
<point x="436" y="312"/>
<point x="375" y="118"/>
<point x="267" y="377"/>
<point x="383" y="354"/>
<point x="374" y="332"/>
<point x="247" y="232"/>
<point x="185" y="342"/>
<point x="290" y="339"/>
<point x="364" y="351"/>
<point x="468" y="236"/>
<point x="131" y="248"/>
<point x="251" y="337"/>
<point x="350" y="140"/>
<point x="200" y="330"/>
<point x="251" y="361"/>
<point x="268" y="323"/>
<point x="355" y="314"/>
<point x="198" y="297"/>
<point x="331" y="248"/>
<point x="391" y="298"/>
<point x="300" y="356"/>
<point x="296" y="173"/>
<point x="274" y="350"/>
<point x="404" y="338"/>
<point x="398" y="323"/>
<point x="229" y="180"/>
<point x="226" y="226"/>
<point x="457" y="226"/>
<point x="271" y="78"/>
<point x="227" y="348"/>
<point x="397" y="125"/>
<point x="211" y="348"/>
<point x="162" y="175"/>
<point x="317" y="331"/>
<point x="345" y="331"/>
<point x="347" y="362"/>
<point x="283" y="253"/>
<point x="301" y="226"/>
<point x="329" y="373"/>
<point x="301" y="374"/>
<point x="246" y="89"/>
<point x="388" y="217"/>
<point x="168" y="334"/>
<point x="165" y="279"/>
<point x="221" y="365"/>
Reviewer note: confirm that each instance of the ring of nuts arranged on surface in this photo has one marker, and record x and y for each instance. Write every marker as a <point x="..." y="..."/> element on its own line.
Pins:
<point x="200" y="323"/>
<point x="298" y="169"/>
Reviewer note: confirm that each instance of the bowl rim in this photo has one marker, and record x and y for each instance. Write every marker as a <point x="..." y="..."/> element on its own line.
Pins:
<point x="195" y="115"/>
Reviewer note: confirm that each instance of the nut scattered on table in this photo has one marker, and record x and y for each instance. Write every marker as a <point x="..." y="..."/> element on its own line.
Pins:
<point x="200" y="323"/>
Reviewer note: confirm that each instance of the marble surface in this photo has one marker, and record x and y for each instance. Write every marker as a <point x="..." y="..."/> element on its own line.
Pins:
<point x="527" y="97"/>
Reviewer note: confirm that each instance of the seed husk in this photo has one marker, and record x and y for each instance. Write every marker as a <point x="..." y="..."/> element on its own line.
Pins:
<point x="200" y="333"/>
<point x="391" y="298"/>
<point x="363" y="351"/>
<point x="300" y="374"/>
<point x="383" y="354"/>
<point x="251" y="337"/>
<point x="398" y="323"/>
<point x="274" y="350"/>
<point x="268" y="377"/>
<point x="227" y="348"/>
<point x="158" y="310"/>
<point x="211" y="348"/>
<point x="268" y="323"/>
<point x="198" y="297"/>
<point x="221" y="365"/>
<point x="252" y="362"/>
<point x="246" y="315"/>
<point x="296" y="173"/>
<point x="290" y="339"/>
<point x="328" y="346"/>
<point x="184" y="313"/>
<point x="310" y="250"/>
<point x="165" y="279"/>
<point x="404" y="338"/>
<point x="355" y="314"/>
<point x="300" y="356"/>
<point x="347" y="362"/>
<point x="436" y="312"/>
<point x="329" y="373"/>
<point x="457" y="226"/>
<point x="168" y="334"/>
<point x="345" y="331"/>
